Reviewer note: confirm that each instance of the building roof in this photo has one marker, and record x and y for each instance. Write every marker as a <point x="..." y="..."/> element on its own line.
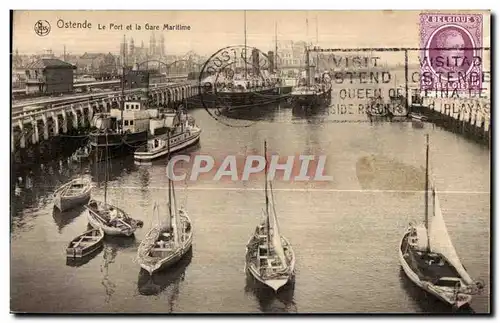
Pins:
<point x="95" y="55"/>
<point x="49" y="62"/>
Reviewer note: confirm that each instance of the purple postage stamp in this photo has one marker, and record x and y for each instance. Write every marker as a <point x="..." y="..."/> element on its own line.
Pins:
<point x="451" y="56"/>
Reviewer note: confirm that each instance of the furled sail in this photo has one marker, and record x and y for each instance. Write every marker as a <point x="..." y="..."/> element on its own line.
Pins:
<point x="440" y="242"/>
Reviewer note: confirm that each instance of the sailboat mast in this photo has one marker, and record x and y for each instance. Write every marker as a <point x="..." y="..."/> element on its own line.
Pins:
<point x="276" y="46"/>
<point x="245" y="32"/>
<point x="316" y="30"/>
<point x="267" y="201"/>
<point x="106" y="171"/>
<point x="169" y="180"/>
<point x="308" y="69"/>
<point x="427" y="182"/>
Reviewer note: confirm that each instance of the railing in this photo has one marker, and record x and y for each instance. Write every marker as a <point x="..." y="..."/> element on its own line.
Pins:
<point x="96" y="97"/>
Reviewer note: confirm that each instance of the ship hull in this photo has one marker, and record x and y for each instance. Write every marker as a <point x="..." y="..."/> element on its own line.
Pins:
<point x="312" y="99"/>
<point x="118" y="144"/>
<point x="149" y="156"/>
<point x="246" y="99"/>
<point x="445" y="294"/>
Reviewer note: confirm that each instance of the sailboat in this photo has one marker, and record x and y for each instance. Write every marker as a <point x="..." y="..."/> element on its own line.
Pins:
<point x="111" y="219"/>
<point x="429" y="259"/>
<point x="270" y="258"/>
<point x="169" y="240"/>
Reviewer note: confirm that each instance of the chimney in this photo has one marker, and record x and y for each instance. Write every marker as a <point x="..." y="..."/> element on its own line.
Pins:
<point x="255" y="62"/>
<point x="270" y="57"/>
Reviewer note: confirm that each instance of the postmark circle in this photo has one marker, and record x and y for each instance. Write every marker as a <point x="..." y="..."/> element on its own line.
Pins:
<point x="42" y="28"/>
<point x="233" y="78"/>
<point x="450" y="51"/>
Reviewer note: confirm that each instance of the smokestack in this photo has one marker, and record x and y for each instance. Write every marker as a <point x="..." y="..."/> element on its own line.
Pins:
<point x="270" y="56"/>
<point x="255" y="61"/>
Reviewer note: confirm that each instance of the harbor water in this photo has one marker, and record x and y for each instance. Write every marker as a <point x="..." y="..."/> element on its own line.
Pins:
<point x="345" y="232"/>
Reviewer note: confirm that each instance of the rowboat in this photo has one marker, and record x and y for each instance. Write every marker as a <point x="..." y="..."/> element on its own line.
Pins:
<point x="85" y="244"/>
<point x="270" y="258"/>
<point x="73" y="193"/>
<point x="111" y="219"/>
<point x="168" y="241"/>
<point x="429" y="258"/>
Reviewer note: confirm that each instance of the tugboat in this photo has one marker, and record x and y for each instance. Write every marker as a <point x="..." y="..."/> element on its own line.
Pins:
<point x="126" y="130"/>
<point x="123" y="130"/>
<point x="181" y="133"/>
<point x="312" y="92"/>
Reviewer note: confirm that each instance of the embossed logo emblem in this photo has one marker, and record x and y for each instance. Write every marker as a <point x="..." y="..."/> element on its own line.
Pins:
<point x="42" y="28"/>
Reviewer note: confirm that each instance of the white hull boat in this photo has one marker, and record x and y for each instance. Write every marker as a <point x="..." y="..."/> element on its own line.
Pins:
<point x="72" y="194"/>
<point x="273" y="278"/>
<point x="181" y="134"/>
<point x="169" y="240"/>
<point x="158" y="147"/>
<point x="270" y="258"/>
<point x="159" y="251"/>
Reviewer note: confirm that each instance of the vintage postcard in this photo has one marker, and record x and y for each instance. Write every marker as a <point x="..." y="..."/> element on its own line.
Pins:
<point x="250" y="162"/>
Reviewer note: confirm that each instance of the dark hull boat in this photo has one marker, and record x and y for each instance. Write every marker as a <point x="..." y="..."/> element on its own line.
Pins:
<point x="311" y="98"/>
<point x="118" y="143"/>
<point x="429" y="259"/>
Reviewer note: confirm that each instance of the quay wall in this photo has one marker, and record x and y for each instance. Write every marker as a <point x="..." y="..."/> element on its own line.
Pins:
<point x="469" y="118"/>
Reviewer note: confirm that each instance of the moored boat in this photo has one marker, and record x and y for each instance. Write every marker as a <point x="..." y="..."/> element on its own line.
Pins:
<point x="85" y="244"/>
<point x="181" y="134"/>
<point x="313" y="90"/>
<point x="169" y="240"/>
<point x="429" y="258"/>
<point x="417" y="117"/>
<point x="270" y="258"/>
<point x="74" y="193"/>
<point x="111" y="219"/>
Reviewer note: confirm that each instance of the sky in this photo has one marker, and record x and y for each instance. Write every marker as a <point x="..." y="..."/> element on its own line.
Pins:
<point x="212" y="30"/>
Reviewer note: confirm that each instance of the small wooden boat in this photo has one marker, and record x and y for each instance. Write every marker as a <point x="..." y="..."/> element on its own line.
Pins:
<point x="429" y="259"/>
<point x="270" y="258"/>
<point x="111" y="219"/>
<point x="168" y="241"/>
<point x="73" y="193"/>
<point x="85" y="244"/>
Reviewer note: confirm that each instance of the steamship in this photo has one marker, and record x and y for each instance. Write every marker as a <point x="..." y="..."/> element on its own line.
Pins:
<point x="248" y="87"/>
<point x="125" y="129"/>
<point x="312" y="91"/>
